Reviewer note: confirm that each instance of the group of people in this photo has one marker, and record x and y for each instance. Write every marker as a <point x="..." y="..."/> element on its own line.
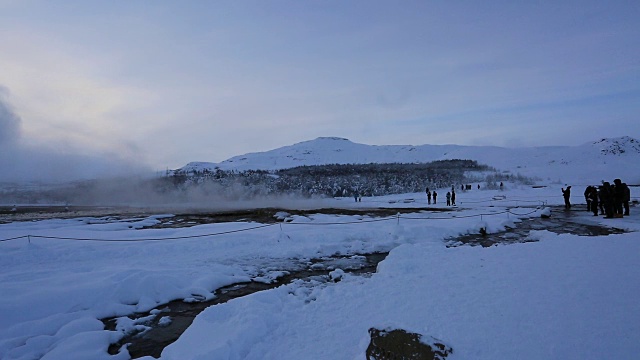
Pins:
<point x="451" y="196"/>
<point x="612" y="200"/>
<point x="433" y="194"/>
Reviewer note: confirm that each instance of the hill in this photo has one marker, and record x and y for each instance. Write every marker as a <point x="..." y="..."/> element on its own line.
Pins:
<point x="592" y="162"/>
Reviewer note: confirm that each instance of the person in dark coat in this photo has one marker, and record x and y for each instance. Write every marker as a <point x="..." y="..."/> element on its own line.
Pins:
<point x="435" y="197"/>
<point x="618" y="198"/>
<point x="453" y="198"/>
<point x="601" y="199"/>
<point x="448" y="198"/>
<point x="626" y="199"/>
<point x="587" y="196"/>
<point x="428" y="196"/>
<point x="606" y="196"/>
<point x="567" y="195"/>
<point x="593" y="200"/>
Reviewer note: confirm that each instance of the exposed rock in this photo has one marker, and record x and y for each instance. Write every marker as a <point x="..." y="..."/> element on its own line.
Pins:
<point x="399" y="344"/>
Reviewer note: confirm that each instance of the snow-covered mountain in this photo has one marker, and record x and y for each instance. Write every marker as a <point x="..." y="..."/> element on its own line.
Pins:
<point x="604" y="159"/>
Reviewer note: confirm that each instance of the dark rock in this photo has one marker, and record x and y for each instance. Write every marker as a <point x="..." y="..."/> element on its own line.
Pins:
<point x="399" y="344"/>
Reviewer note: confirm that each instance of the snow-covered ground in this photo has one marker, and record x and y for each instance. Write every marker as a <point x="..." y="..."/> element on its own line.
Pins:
<point x="561" y="297"/>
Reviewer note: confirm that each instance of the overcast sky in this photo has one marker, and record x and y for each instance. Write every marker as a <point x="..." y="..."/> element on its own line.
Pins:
<point x="164" y="83"/>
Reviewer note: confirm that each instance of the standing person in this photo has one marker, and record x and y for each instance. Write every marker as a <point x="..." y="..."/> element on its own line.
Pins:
<point x="607" y="199"/>
<point x="448" y="198"/>
<point x="453" y="198"/>
<point x="593" y="200"/>
<point x="566" y="194"/>
<point x="428" y="197"/>
<point x="435" y="197"/>
<point x="501" y="186"/>
<point x="626" y="198"/>
<point x="587" y="196"/>
<point x="601" y="199"/>
<point x="618" y="198"/>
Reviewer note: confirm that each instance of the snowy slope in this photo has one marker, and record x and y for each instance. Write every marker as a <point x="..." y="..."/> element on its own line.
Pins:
<point x="592" y="162"/>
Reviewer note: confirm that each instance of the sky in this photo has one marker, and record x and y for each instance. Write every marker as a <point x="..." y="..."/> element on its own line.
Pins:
<point x="93" y="88"/>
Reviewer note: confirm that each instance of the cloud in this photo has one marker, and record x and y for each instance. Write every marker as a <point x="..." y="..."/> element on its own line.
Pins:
<point x="21" y="161"/>
<point x="207" y="82"/>
<point x="9" y="121"/>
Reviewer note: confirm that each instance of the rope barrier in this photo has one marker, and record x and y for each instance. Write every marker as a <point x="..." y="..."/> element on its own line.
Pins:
<point x="529" y="213"/>
<point x="395" y="217"/>
<point x="141" y="239"/>
<point x="345" y="222"/>
<point x="14" y="238"/>
<point x="453" y="217"/>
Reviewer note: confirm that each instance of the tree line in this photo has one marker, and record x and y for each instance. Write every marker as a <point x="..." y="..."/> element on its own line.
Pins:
<point x="339" y="180"/>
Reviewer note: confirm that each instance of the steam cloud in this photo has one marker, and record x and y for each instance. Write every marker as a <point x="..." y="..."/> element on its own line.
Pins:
<point x="20" y="162"/>
<point x="104" y="179"/>
<point x="9" y="122"/>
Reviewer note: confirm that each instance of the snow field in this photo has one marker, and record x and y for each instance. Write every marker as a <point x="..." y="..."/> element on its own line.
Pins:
<point x="563" y="297"/>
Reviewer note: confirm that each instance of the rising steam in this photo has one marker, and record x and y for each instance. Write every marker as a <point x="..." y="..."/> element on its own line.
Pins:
<point x="21" y="162"/>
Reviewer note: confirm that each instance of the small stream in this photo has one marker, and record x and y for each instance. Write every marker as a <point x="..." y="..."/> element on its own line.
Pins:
<point x="155" y="334"/>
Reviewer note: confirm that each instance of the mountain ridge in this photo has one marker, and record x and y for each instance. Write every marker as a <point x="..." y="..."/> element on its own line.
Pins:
<point x="599" y="160"/>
